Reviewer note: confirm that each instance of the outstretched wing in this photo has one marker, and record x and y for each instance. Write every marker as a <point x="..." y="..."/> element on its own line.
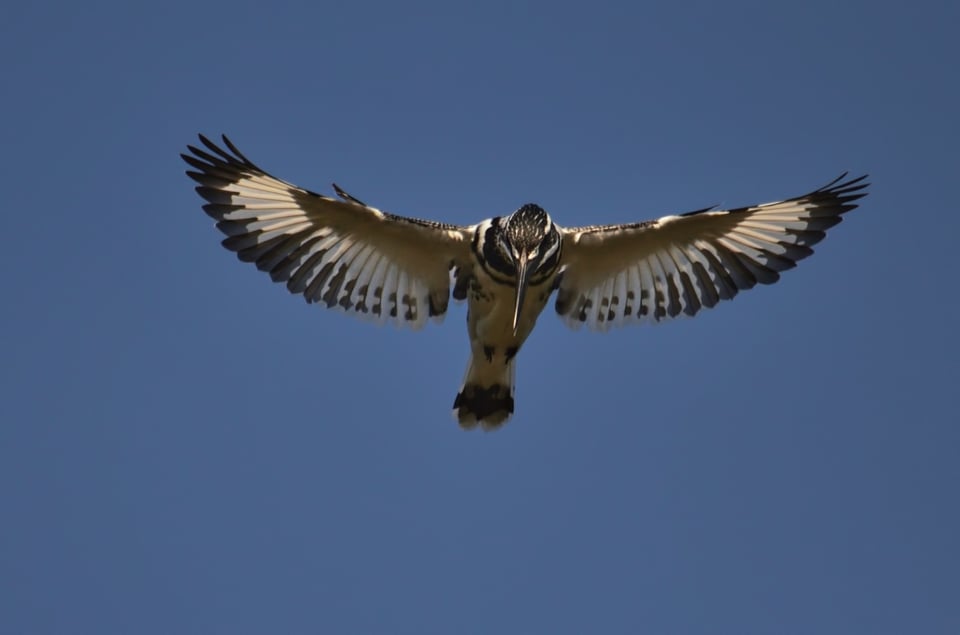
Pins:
<point x="651" y="271"/>
<point x="338" y="252"/>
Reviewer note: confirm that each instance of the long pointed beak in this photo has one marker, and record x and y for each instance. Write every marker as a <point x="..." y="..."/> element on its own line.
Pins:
<point x="523" y="274"/>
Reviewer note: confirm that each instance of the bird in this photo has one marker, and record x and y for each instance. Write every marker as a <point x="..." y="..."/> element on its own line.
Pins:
<point x="346" y="255"/>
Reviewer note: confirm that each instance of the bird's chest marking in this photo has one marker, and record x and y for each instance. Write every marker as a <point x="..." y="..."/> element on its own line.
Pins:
<point x="509" y="352"/>
<point x="478" y="293"/>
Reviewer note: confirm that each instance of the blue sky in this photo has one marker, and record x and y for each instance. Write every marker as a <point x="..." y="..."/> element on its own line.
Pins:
<point x="186" y="448"/>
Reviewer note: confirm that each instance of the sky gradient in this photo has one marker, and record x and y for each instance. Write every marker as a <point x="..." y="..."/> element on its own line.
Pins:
<point x="187" y="448"/>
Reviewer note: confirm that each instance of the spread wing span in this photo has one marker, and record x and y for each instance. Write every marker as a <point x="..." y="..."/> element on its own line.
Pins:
<point x="341" y="253"/>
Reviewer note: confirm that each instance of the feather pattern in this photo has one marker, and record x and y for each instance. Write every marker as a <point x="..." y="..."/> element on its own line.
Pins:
<point x="340" y="253"/>
<point x="677" y="265"/>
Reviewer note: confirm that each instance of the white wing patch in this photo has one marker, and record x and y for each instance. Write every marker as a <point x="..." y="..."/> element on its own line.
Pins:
<point x="342" y="254"/>
<point x="677" y="265"/>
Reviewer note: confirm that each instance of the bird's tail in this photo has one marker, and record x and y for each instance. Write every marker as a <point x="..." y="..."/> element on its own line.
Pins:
<point x="486" y="397"/>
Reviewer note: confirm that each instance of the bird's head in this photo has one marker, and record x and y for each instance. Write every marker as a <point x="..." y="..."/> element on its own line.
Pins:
<point x="531" y="242"/>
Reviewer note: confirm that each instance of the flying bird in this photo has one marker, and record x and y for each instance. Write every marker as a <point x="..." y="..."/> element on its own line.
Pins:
<point x="349" y="256"/>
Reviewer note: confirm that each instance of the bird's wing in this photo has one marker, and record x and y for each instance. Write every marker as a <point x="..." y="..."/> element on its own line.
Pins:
<point x="338" y="252"/>
<point x="655" y="270"/>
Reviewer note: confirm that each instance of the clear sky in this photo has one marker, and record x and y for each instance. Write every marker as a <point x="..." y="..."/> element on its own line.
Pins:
<point x="186" y="448"/>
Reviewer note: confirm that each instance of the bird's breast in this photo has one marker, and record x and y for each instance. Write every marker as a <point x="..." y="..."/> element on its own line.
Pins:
<point x="490" y="311"/>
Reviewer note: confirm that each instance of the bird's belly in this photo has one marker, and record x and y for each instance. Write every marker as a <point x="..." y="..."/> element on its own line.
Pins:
<point x="490" y="316"/>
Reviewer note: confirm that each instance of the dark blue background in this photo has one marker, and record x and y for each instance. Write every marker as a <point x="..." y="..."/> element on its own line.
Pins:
<point x="185" y="448"/>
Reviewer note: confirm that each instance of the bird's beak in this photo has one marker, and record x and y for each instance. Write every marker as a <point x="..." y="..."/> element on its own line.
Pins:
<point x="523" y="274"/>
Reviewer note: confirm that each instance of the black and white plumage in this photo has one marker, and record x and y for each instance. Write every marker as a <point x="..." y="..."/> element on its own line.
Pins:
<point x="388" y="268"/>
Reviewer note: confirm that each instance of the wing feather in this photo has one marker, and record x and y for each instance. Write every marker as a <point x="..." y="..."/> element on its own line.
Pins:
<point x="341" y="253"/>
<point x="680" y="264"/>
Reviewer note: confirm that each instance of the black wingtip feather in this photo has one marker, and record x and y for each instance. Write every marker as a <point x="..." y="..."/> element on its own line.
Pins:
<point x="209" y="160"/>
<point x="237" y="153"/>
<point x="219" y="156"/>
<point x="848" y="190"/>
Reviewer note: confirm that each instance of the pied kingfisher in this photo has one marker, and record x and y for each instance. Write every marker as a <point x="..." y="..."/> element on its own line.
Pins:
<point x="389" y="268"/>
